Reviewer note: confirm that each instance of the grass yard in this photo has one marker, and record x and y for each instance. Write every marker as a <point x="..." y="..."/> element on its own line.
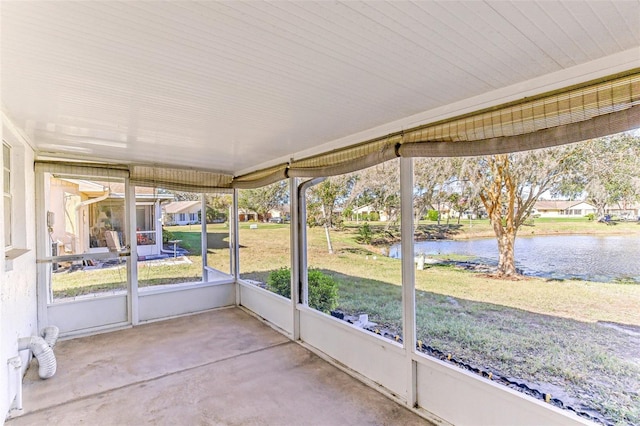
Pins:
<point x="579" y="341"/>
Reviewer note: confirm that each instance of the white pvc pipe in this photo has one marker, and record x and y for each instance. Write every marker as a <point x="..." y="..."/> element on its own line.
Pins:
<point x="16" y="363"/>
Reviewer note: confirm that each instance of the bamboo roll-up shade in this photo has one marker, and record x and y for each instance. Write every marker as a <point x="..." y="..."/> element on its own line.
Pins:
<point x="261" y="177"/>
<point x="594" y="111"/>
<point x="347" y="160"/>
<point x="188" y="180"/>
<point x="596" y="127"/>
<point x="72" y="169"/>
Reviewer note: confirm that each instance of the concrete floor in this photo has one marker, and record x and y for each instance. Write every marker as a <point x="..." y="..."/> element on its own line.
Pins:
<point x="218" y="367"/>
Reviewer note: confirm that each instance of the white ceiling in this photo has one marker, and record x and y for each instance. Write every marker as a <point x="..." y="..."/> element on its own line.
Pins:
<point x="232" y="86"/>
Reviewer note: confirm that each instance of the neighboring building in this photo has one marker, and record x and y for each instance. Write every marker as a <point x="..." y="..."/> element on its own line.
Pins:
<point x="563" y="208"/>
<point x="280" y="213"/>
<point x="89" y="217"/>
<point x="628" y="212"/>
<point x="365" y="211"/>
<point x="182" y="212"/>
<point x="246" y="215"/>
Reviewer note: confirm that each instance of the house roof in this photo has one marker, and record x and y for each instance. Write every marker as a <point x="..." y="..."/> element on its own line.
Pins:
<point x="556" y="204"/>
<point x="116" y="189"/>
<point x="285" y="208"/>
<point x="87" y="186"/>
<point x="181" y="206"/>
<point x="234" y="86"/>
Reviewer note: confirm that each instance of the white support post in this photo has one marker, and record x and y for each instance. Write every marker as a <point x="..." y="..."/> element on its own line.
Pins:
<point x="302" y="237"/>
<point x="295" y="255"/>
<point x="203" y="236"/>
<point x="132" y="259"/>
<point x="235" y="241"/>
<point x="408" y="276"/>
<point x="43" y="249"/>
<point x="301" y="192"/>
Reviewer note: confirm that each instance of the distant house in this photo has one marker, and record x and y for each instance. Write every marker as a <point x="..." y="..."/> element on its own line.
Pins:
<point x="365" y="212"/>
<point x="629" y="211"/>
<point x="246" y="215"/>
<point x="182" y="213"/>
<point x="563" y="208"/>
<point x="277" y="214"/>
<point x="280" y="213"/>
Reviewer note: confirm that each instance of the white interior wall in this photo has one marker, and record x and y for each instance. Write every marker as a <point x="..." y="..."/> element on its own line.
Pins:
<point x="18" y="304"/>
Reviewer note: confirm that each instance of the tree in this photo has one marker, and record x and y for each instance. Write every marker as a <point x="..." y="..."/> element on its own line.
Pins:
<point x="608" y="172"/>
<point x="434" y="181"/>
<point x="379" y="186"/>
<point x="264" y="199"/>
<point x="217" y="206"/>
<point x="510" y="184"/>
<point x="324" y="198"/>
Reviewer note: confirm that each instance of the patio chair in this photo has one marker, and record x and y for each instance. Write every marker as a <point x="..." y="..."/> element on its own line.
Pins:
<point x="113" y="243"/>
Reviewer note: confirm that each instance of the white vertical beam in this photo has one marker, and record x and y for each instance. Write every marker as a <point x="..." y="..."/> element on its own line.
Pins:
<point x="159" y="224"/>
<point x="408" y="276"/>
<point x="203" y="236"/>
<point x="302" y="239"/>
<point x="235" y="241"/>
<point x="132" y="259"/>
<point x="43" y="249"/>
<point x="295" y="255"/>
<point x="301" y="193"/>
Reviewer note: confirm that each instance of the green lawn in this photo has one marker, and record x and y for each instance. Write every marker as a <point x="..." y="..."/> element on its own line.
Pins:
<point x="579" y="338"/>
<point x="554" y="334"/>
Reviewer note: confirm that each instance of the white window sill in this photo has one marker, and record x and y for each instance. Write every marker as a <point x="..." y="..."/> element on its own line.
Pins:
<point x="12" y="254"/>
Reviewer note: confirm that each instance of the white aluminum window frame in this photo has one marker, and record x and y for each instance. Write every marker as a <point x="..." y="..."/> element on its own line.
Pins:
<point x="7" y="192"/>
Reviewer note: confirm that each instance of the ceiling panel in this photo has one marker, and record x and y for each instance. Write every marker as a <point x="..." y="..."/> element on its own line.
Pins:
<point x="230" y="86"/>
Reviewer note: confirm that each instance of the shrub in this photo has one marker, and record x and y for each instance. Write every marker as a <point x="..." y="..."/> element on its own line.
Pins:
<point x="167" y="236"/>
<point x="364" y="233"/>
<point x="323" y="289"/>
<point x="279" y="281"/>
<point x="433" y="215"/>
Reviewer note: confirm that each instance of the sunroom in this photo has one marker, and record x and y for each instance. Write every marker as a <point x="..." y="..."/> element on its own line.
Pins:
<point x="110" y="110"/>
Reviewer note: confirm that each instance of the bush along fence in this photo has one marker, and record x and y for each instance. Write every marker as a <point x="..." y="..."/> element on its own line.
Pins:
<point x="323" y="289"/>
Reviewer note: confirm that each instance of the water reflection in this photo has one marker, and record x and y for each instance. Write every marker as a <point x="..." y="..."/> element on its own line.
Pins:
<point x="585" y="257"/>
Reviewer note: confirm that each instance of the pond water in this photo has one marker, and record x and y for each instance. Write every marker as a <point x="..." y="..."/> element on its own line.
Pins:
<point x="586" y="257"/>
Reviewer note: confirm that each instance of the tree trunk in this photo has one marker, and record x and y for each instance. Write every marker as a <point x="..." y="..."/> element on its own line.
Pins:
<point x="506" y="258"/>
<point x="326" y="230"/>
<point x="505" y="227"/>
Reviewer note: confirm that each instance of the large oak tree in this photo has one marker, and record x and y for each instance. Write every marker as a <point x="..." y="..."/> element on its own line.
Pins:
<point x="510" y="184"/>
